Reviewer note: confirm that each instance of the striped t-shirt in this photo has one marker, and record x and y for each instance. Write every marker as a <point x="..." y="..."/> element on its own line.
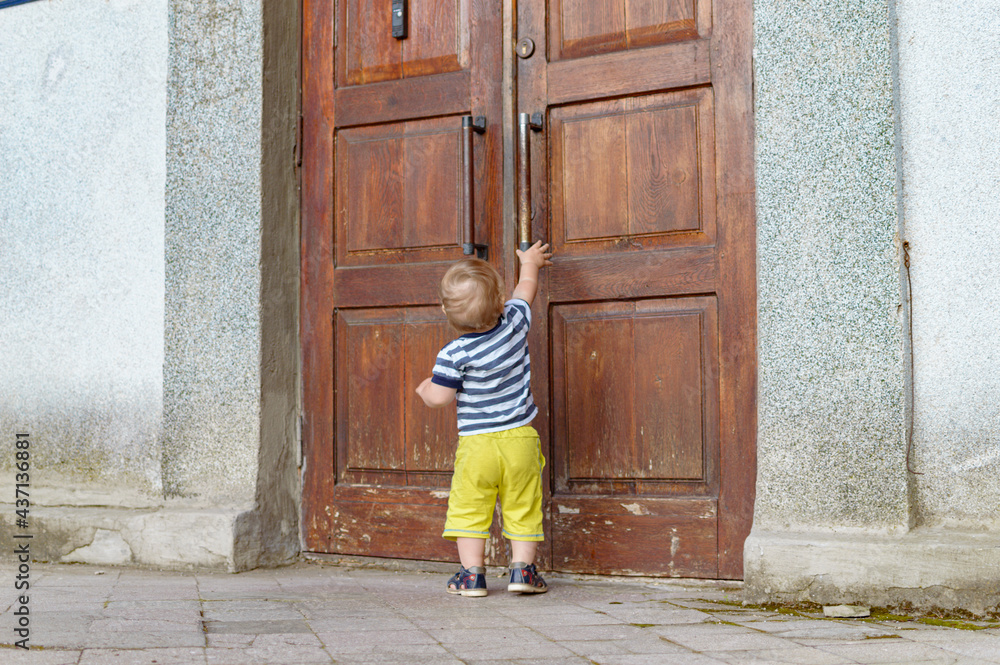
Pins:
<point x="492" y="373"/>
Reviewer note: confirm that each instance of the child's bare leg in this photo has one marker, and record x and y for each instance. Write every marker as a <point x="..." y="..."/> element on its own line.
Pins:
<point x="471" y="551"/>
<point x="523" y="576"/>
<point x="523" y="551"/>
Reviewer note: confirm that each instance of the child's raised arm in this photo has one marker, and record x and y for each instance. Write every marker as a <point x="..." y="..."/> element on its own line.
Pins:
<point x="534" y="259"/>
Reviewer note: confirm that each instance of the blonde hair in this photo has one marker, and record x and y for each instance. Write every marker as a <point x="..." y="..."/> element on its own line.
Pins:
<point x="472" y="295"/>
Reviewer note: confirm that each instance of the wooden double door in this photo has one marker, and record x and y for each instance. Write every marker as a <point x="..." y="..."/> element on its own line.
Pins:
<point x="643" y="340"/>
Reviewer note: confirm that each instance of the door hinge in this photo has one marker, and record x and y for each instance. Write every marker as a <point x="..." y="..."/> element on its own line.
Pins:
<point x="301" y="447"/>
<point x="299" y="129"/>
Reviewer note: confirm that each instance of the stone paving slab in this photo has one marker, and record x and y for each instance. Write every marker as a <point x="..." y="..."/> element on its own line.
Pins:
<point x="364" y="611"/>
<point x="785" y="655"/>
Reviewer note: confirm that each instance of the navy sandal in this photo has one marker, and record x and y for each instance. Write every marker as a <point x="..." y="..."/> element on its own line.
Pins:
<point x="468" y="582"/>
<point x="525" y="579"/>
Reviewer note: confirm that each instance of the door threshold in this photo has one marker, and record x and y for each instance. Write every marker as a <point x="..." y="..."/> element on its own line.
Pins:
<point x="445" y="567"/>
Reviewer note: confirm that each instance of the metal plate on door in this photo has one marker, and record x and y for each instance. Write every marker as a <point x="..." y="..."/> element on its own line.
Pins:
<point x="399" y="19"/>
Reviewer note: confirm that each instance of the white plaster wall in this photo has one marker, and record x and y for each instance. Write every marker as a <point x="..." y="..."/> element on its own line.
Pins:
<point x="82" y="173"/>
<point x="949" y="86"/>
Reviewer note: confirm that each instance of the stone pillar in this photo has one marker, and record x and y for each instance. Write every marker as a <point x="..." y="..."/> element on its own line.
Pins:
<point x="831" y="398"/>
<point x="231" y="341"/>
<point x="836" y="516"/>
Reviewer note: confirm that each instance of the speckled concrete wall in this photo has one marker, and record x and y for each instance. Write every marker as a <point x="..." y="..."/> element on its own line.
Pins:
<point x="876" y="123"/>
<point x="82" y="139"/>
<point x="831" y="445"/>
<point x="950" y="92"/>
<point x="231" y="358"/>
<point x="213" y="250"/>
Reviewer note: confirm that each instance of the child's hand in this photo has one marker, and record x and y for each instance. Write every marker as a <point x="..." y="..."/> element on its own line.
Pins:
<point x="533" y="259"/>
<point x="537" y="255"/>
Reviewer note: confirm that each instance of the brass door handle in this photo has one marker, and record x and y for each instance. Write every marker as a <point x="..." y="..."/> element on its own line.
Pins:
<point x="469" y="244"/>
<point x="524" y="212"/>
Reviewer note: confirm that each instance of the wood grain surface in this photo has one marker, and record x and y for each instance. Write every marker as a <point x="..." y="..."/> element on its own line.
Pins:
<point x="643" y="339"/>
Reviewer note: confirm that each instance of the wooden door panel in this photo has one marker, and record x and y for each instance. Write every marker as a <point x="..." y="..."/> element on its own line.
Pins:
<point x="636" y="274"/>
<point x="439" y="41"/>
<point x="368" y="53"/>
<point x="372" y="361"/>
<point x="579" y="28"/>
<point x="635" y="393"/>
<point x="629" y="72"/>
<point x="436" y="42"/>
<point x="646" y="144"/>
<point x="673" y="376"/>
<point x="411" y="284"/>
<point x="399" y="191"/>
<point x="382" y="177"/>
<point x="445" y="94"/>
<point x="643" y="347"/>
<point x="370" y="193"/>
<point x="593" y="370"/>
<point x="431" y="435"/>
<point x="386" y="436"/>
<point x="665" y="187"/>
<point x="591" y="196"/>
<point x="675" y="537"/>
<point x="379" y="520"/>
<point x="633" y="174"/>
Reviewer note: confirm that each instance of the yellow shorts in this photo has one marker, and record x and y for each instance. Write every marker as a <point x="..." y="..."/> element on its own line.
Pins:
<point x="508" y="463"/>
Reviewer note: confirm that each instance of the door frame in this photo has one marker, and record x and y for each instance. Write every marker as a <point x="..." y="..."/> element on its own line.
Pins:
<point x="732" y="74"/>
<point x="732" y="78"/>
<point x="319" y="291"/>
<point x="316" y="251"/>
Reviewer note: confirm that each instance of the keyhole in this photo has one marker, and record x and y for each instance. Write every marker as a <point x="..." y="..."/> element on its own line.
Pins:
<point x="525" y="48"/>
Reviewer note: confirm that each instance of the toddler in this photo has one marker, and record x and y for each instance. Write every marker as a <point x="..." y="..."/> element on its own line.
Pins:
<point x="489" y="371"/>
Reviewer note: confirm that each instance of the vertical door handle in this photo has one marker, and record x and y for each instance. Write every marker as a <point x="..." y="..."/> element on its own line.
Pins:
<point x="524" y="212"/>
<point x="469" y="244"/>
